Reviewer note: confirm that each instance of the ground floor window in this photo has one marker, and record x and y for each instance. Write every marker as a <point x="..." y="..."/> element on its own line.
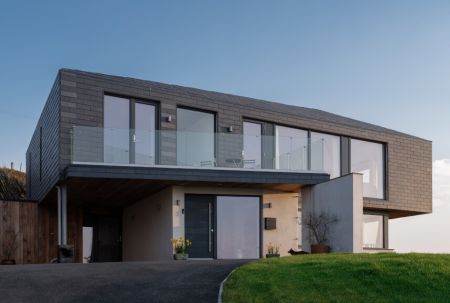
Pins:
<point x="373" y="235"/>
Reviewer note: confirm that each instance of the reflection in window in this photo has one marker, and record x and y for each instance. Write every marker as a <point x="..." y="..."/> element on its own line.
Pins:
<point x="195" y="138"/>
<point x="144" y="139"/>
<point x="251" y="153"/>
<point x="326" y="153"/>
<point x="373" y="231"/>
<point x="116" y="130"/>
<point x="291" y="151"/>
<point x="367" y="159"/>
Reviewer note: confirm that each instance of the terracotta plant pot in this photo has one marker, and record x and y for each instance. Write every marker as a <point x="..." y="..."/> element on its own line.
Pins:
<point x="320" y="249"/>
<point x="180" y="256"/>
<point x="272" y="255"/>
<point x="8" y="262"/>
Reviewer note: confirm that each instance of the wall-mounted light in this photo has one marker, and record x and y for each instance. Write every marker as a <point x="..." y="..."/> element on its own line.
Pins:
<point x="230" y="129"/>
<point x="177" y="202"/>
<point x="169" y="118"/>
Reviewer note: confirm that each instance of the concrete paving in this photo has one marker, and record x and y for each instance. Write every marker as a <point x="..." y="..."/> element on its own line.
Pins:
<point x="169" y="281"/>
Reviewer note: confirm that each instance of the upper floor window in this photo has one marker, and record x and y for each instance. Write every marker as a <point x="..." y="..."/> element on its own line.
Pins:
<point x="129" y="131"/>
<point x="116" y="122"/>
<point x="195" y="138"/>
<point x="291" y="148"/>
<point x="367" y="158"/>
<point x="251" y="153"/>
<point x="326" y="153"/>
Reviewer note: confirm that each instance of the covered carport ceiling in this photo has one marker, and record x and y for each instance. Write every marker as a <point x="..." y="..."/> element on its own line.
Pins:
<point x="118" y="186"/>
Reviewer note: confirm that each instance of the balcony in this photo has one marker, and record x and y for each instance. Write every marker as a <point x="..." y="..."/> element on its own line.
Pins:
<point x="225" y="151"/>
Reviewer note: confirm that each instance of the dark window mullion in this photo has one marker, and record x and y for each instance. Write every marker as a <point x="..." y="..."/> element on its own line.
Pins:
<point x="309" y="150"/>
<point x="132" y="131"/>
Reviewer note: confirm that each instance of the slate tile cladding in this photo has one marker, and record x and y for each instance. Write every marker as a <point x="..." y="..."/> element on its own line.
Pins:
<point x="409" y="158"/>
<point x="43" y="164"/>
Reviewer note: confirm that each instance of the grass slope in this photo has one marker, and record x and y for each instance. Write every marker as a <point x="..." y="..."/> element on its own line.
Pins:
<point x="343" y="278"/>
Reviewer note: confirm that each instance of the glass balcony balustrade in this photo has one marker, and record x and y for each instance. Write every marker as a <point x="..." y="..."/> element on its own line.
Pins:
<point x="93" y="145"/>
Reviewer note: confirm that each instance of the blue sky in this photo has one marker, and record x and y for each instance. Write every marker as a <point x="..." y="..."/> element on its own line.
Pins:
<point x="384" y="62"/>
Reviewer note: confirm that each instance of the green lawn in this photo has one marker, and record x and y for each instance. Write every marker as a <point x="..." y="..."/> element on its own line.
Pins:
<point x="342" y="278"/>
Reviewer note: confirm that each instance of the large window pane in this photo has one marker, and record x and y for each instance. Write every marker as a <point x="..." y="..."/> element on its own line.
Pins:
<point x="144" y="134"/>
<point x="116" y="130"/>
<point x="195" y="138"/>
<point x="291" y="148"/>
<point x="326" y="153"/>
<point x="252" y="145"/>
<point x="367" y="158"/>
<point x="373" y="231"/>
<point x="238" y="227"/>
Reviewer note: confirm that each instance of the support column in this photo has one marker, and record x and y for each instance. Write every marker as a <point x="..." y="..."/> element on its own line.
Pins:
<point x="62" y="214"/>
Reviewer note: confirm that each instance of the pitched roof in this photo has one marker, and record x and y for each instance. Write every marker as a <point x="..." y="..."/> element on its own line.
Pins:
<point x="302" y="112"/>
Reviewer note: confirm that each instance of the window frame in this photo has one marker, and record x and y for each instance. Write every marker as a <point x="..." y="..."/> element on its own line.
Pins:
<point x="384" y="164"/>
<point x="131" y="103"/>
<point x="385" y="226"/>
<point x="260" y="123"/>
<point x="339" y="137"/>
<point x="308" y="138"/>
<point x="216" y="127"/>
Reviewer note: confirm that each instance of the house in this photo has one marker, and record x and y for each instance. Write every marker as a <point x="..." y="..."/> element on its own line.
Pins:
<point x="123" y="165"/>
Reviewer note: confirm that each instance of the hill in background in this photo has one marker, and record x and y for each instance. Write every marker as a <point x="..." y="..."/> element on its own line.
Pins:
<point x="12" y="184"/>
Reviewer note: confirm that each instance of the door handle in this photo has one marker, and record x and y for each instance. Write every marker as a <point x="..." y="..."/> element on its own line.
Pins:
<point x="209" y="228"/>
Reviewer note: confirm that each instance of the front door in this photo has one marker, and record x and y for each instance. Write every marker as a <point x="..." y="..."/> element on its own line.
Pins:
<point x="199" y="225"/>
<point x="107" y="238"/>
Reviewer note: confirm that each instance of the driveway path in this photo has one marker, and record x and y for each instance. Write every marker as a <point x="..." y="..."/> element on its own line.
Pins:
<point x="169" y="281"/>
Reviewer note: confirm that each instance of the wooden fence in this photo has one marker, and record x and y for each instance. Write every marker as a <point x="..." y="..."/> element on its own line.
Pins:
<point x="35" y="228"/>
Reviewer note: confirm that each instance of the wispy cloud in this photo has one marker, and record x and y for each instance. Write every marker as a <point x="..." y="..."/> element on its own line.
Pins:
<point x="427" y="233"/>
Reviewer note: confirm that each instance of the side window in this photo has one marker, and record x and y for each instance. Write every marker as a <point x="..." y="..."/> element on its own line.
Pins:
<point x="367" y="158"/>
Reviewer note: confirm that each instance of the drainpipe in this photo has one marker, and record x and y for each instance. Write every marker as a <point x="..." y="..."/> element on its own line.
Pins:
<point x="62" y="214"/>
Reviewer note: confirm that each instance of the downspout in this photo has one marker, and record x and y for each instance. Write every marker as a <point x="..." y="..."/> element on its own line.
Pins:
<point x="62" y="214"/>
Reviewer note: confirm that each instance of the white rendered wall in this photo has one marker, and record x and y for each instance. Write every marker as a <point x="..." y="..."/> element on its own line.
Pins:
<point x="147" y="228"/>
<point x="284" y="207"/>
<point x="342" y="197"/>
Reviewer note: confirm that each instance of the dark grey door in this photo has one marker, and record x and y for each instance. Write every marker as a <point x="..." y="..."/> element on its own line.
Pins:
<point x="199" y="225"/>
<point x="107" y="239"/>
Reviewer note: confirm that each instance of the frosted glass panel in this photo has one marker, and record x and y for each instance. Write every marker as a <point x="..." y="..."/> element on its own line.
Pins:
<point x="238" y="227"/>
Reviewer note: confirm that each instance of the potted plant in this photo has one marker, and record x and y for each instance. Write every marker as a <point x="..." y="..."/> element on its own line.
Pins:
<point x="273" y="251"/>
<point x="9" y="247"/>
<point x="319" y="227"/>
<point x="180" y="247"/>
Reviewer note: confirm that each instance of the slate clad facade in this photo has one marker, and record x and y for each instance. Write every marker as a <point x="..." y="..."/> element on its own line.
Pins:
<point x="77" y="98"/>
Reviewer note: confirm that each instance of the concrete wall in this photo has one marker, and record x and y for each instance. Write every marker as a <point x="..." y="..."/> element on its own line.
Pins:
<point x="343" y="198"/>
<point x="284" y="207"/>
<point x="147" y="228"/>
